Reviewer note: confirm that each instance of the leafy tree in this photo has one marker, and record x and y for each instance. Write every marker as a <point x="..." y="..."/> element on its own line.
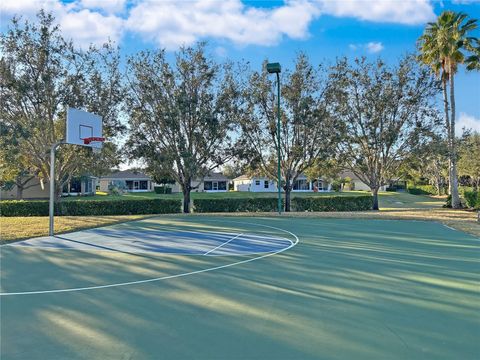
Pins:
<point x="442" y="47"/>
<point x="41" y="74"/>
<point x="181" y="114"/>
<point x="429" y="162"/>
<point x="381" y="114"/>
<point x="234" y="169"/>
<point x="304" y="131"/>
<point x="328" y="169"/>
<point x="469" y="161"/>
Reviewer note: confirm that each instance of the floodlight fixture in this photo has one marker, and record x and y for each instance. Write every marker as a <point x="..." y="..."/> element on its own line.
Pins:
<point x="274" y="68"/>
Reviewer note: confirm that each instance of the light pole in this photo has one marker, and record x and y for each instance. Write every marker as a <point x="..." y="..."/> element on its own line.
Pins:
<point x="275" y="68"/>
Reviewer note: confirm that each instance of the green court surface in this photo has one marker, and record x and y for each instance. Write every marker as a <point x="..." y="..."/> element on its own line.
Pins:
<point x="203" y="287"/>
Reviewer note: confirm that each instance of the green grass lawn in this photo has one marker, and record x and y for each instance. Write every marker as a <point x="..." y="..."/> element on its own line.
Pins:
<point x="394" y="200"/>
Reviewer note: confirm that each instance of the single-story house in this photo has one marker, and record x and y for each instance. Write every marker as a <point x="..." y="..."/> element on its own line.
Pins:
<point x="356" y="183"/>
<point x="33" y="189"/>
<point x="80" y="186"/>
<point x="213" y="182"/>
<point x="128" y="180"/>
<point x="264" y="184"/>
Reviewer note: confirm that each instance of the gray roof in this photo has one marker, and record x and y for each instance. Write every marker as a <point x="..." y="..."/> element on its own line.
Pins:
<point x="215" y="176"/>
<point x="126" y="174"/>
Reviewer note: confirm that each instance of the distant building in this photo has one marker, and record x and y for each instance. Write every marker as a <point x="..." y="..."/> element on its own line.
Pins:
<point x="264" y="184"/>
<point x="78" y="186"/>
<point x="128" y="180"/>
<point x="357" y="184"/>
<point x="213" y="182"/>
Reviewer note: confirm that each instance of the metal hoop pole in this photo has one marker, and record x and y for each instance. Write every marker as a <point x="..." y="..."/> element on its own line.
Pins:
<point x="52" y="187"/>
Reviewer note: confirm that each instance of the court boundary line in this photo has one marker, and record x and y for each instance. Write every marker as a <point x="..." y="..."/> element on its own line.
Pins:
<point x="222" y="244"/>
<point x="54" y="291"/>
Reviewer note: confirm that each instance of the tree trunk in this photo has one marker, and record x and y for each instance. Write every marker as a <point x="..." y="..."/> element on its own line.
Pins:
<point x="447" y="125"/>
<point x="439" y="186"/>
<point x="288" y="190"/>
<point x="19" y="192"/>
<point x="186" y="201"/>
<point x="186" y="188"/>
<point x="375" y="198"/>
<point x="453" y="151"/>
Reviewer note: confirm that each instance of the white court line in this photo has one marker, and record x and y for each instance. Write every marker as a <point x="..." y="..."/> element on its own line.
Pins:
<point x="292" y="244"/>
<point x="225" y="243"/>
<point x="449" y="227"/>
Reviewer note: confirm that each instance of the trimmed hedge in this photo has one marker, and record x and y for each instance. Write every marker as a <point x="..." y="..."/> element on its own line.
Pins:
<point x="234" y="205"/>
<point x="422" y="190"/>
<point x="333" y="203"/>
<point x="321" y="203"/>
<point x="91" y="207"/>
<point x="23" y="208"/>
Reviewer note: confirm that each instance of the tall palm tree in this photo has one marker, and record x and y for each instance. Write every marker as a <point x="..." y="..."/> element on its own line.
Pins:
<point x="443" y="47"/>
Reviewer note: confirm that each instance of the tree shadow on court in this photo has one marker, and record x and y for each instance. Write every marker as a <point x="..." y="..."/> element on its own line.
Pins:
<point x="348" y="290"/>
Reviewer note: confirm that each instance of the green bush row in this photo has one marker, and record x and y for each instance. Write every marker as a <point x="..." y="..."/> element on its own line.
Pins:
<point x="234" y="205"/>
<point x="422" y="190"/>
<point x="333" y="203"/>
<point x="91" y="207"/>
<point x="323" y="203"/>
<point x="472" y="199"/>
<point x="167" y="206"/>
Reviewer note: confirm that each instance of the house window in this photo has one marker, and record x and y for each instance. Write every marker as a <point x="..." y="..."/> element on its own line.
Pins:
<point x="265" y="184"/>
<point x="143" y="185"/>
<point x="129" y="184"/>
<point x="75" y="186"/>
<point x="222" y="185"/>
<point x="88" y="187"/>
<point x="300" y="185"/>
<point x="207" y="185"/>
<point x="257" y="182"/>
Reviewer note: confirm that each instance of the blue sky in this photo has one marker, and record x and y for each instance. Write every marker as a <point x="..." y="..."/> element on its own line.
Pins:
<point x="256" y="30"/>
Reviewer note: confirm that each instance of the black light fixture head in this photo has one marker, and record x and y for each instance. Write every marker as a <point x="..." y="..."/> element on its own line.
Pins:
<point x="273" y="68"/>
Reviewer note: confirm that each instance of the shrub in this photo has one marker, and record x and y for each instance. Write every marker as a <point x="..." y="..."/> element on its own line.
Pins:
<point x="336" y="185"/>
<point x="23" y="208"/>
<point x="91" y="207"/>
<point x="422" y="190"/>
<point x="333" y="203"/>
<point x="472" y="199"/>
<point x="234" y="205"/>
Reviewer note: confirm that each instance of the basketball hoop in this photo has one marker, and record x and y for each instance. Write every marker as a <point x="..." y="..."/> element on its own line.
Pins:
<point x="88" y="140"/>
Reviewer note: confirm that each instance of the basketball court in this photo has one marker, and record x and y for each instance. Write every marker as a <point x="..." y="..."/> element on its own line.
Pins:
<point x="203" y="287"/>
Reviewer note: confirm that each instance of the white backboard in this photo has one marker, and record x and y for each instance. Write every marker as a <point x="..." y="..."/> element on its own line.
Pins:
<point x="81" y="125"/>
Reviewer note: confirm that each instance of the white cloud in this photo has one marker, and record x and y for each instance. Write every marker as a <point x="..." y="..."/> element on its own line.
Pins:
<point x="468" y="122"/>
<point x="84" y="26"/>
<point x="109" y="6"/>
<point x="408" y="12"/>
<point x="172" y="23"/>
<point x="372" y="47"/>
